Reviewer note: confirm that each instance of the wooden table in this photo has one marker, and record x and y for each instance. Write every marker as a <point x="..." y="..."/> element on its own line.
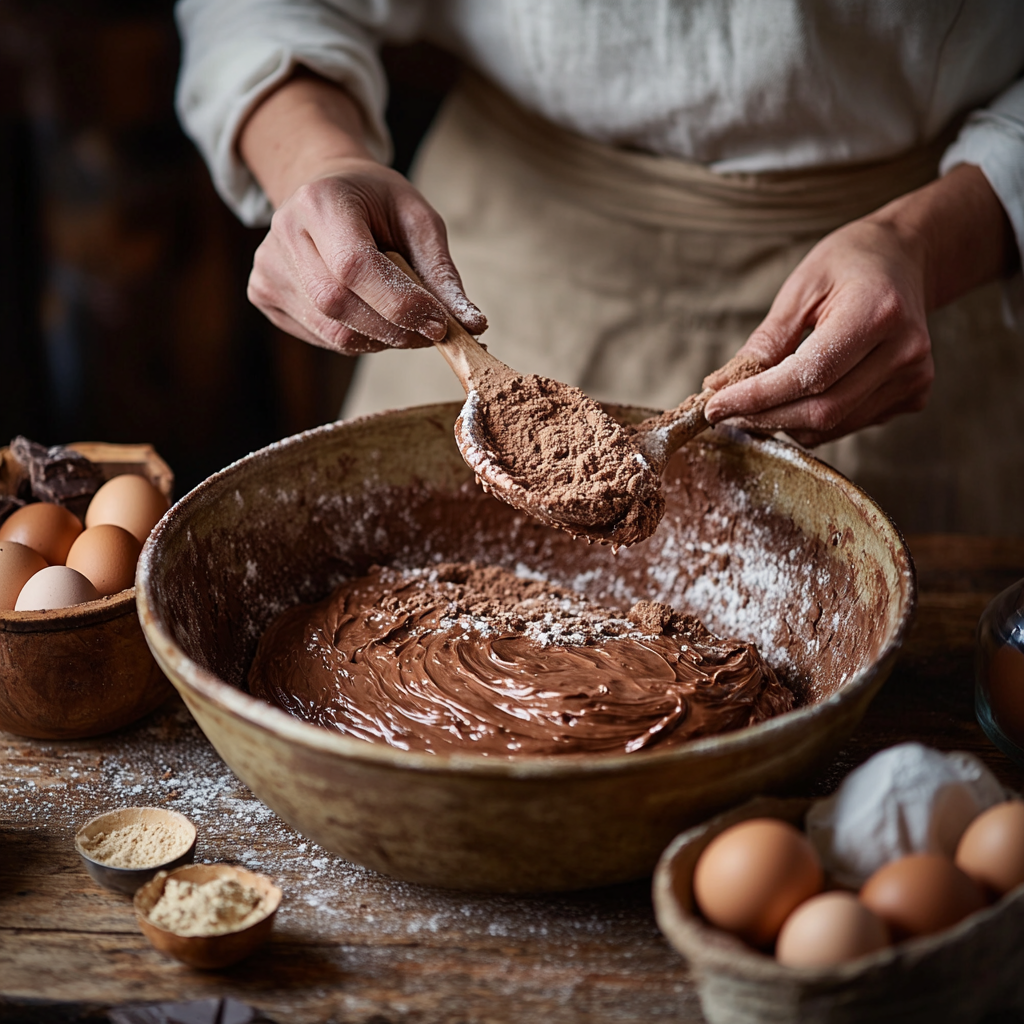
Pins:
<point x="353" y="946"/>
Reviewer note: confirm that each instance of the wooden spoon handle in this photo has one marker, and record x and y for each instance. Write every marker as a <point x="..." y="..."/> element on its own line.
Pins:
<point x="662" y="435"/>
<point x="465" y="355"/>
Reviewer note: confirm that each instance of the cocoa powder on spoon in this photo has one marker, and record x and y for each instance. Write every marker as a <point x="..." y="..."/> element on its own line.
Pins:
<point x="569" y="462"/>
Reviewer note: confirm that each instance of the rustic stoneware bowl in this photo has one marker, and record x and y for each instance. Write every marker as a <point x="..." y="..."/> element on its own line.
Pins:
<point x="128" y="880"/>
<point x="957" y="975"/>
<point x="85" y="670"/>
<point x="208" y="952"/>
<point x="759" y="538"/>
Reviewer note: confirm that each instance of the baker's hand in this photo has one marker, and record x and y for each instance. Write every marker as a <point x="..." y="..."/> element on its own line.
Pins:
<point x="863" y="293"/>
<point x="320" y="273"/>
<point x="868" y="356"/>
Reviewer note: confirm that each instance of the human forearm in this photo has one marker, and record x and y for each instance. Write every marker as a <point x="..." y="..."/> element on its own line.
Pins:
<point x="305" y="129"/>
<point x="958" y="231"/>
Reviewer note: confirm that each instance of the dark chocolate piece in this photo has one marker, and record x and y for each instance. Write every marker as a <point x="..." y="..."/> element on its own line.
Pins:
<point x="58" y="474"/>
<point x="197" y="1011"/>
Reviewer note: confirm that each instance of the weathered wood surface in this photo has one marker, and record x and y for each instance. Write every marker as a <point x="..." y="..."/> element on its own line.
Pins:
<point x="355" y="947"/>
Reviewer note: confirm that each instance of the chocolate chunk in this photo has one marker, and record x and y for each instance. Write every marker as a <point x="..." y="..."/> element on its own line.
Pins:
<point x="151" y="1014"/>
<point x="199" y="1011"/>
<point x="234" y="1012"/>
<point x="58" y="474"/>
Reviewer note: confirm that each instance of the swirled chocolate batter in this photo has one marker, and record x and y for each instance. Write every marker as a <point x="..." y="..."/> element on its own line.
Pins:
<point x="469" y="658"/>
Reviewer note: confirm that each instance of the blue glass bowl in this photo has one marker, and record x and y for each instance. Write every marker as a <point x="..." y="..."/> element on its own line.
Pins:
<point x="999" y="672"/>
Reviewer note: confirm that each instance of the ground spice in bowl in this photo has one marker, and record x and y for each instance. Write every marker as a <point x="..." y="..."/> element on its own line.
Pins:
<point x="124" y="849"/>
<point x="216" y="907"/>
<point x="207" y="915"/>
<point x="138" y="844"/>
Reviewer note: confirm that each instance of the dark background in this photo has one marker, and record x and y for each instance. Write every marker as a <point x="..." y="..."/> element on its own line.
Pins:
<point x="123" y="314"/>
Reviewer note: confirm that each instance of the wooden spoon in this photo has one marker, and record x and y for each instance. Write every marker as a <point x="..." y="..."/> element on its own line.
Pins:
<point x="660" y="437"/>
<point x="471" y="363"/>
<point x="651" y="442"/>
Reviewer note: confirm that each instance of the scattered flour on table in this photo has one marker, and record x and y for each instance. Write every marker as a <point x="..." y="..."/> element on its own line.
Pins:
<point x="166" y="761"/>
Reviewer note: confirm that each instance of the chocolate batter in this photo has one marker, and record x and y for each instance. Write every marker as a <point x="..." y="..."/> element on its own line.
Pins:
<point x="471" y="658"/>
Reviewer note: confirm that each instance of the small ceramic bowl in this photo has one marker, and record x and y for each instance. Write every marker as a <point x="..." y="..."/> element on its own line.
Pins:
<point x="208" y="951"/>
<point x="974" y="968"/>
<point x="127" y="880"/>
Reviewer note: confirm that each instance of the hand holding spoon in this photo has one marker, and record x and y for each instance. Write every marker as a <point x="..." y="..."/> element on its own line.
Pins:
<point x="660" y="437"/>
<point x="552" y="452"/>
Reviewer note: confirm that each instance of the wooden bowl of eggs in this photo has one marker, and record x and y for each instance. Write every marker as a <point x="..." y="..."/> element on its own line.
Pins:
<point x="927" y="937"/>
<point x="73" y="659"/>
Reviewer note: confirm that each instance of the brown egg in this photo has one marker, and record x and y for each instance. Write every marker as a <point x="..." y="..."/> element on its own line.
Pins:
<point x="830" y="928"/>
<point x="44" y="527"/>
<point x="56" y="586"/>
<point x="106" y="555"/>
<point x="751" y="876"/>
<point x="17" y="564"/>
<point x="1006" y="691"/>
<point x="991" y="851"/>
<point x="921" y="894"/>
<point x="128" y="501"/>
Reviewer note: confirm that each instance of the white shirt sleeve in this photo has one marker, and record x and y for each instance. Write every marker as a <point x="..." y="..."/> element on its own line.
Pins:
<point x="237" y="51"/>
<point x="992" y="138"/>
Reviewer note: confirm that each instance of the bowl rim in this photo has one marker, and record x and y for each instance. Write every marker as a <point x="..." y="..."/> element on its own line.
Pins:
<point x="75" y="616"/>
<point x="170" y="812"/>
<point x="243" y="707"/>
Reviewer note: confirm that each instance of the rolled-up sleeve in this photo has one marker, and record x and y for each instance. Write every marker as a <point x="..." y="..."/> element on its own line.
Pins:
<point x="993" y="139"/>
<point x="237" y="51"/>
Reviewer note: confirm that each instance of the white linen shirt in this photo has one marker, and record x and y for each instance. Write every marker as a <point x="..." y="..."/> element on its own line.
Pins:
<point x="736" y="85"/>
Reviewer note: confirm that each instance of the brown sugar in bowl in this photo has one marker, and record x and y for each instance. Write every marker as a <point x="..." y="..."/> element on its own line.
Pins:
<point x="208" y="952"/>
<point x="285" y="524"/>
<point x="81" y="671"/>
<point x="960" y="974"/>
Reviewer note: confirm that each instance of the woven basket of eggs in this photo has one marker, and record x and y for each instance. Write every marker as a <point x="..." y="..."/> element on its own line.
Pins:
<point x="959" y="972"/>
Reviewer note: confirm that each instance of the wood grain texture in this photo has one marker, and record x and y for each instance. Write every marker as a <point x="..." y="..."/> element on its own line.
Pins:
<point x="355" y="947"/>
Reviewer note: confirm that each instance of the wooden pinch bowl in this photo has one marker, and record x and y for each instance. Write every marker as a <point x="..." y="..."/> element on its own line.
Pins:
<point x="128" y="880"/>
<point x="286" y="524"/>
<point x="208" y="952"/>
<point x="81" y="671"/>
<point x="961" y="974"/>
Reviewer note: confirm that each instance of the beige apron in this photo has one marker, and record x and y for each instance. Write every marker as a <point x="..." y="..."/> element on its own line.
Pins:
<point x="633" y="276"/>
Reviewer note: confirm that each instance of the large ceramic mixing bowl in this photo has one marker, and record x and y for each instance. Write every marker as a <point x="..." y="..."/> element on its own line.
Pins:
<point x="760" y="539"/>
